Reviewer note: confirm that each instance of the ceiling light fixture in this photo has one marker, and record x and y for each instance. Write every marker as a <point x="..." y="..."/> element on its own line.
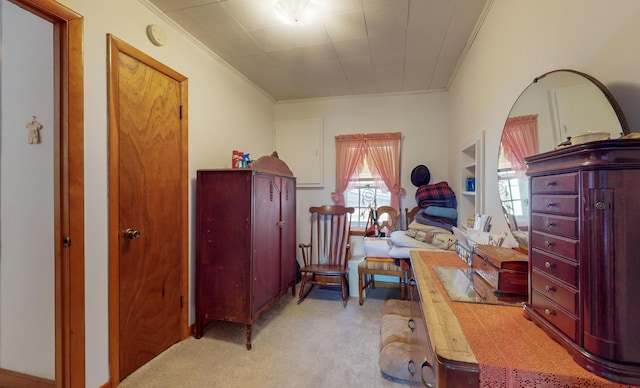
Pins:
<point x="295" y="12"/>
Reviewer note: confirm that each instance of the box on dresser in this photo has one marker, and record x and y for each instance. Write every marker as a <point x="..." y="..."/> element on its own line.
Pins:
<point x="505" y="269"/>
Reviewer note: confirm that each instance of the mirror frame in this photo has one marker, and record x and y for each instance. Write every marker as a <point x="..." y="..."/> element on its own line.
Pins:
<point x="612" y="103"/>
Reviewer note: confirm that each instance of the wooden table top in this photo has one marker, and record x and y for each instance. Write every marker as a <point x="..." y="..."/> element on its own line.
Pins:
<point x="508" y="348"/>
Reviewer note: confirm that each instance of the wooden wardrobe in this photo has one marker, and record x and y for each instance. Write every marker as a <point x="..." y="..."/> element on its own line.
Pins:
<point x="245" y="242"/>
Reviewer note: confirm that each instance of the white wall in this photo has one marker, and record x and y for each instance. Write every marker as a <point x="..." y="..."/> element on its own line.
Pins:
<point x="422" y="119"/>
<point x="521" y="40"/>
<point x="27" y="305"/>
<point x="225" y="113"/>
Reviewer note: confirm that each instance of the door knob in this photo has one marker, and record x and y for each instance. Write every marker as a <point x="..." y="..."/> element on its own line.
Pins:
<point x="131" y="234"/>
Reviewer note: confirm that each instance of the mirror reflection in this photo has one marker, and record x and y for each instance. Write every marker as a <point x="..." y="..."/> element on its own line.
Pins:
<point x="557" y="107"/>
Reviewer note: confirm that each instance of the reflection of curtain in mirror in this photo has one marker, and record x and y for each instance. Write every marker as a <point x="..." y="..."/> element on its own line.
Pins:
<point x="519" y="140"/>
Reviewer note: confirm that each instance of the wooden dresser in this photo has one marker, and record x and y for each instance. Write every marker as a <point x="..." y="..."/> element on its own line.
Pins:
<point x="461" y="344"/>
<point x="584" y="245"/>
<point x="245" y="242"/>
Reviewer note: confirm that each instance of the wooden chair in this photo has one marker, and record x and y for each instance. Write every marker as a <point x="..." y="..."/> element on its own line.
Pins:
<point x="410" y="215"/>
<point x="372" y="266"/>
<point x="326" y="256"/>
<point x="388" y="219"/>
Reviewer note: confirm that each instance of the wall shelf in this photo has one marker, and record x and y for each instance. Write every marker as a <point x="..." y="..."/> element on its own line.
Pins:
<point x="471" y="162"/>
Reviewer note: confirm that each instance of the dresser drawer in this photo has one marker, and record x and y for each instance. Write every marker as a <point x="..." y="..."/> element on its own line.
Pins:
<point x="558" y="245"/>
<point x="553" y="313"/>
<point x="558" y="225"/>
<point x="556" y="184"/>
<point x="561" y="269"/>
<point x="556" y="291"/>
<point x="566" y="205"/>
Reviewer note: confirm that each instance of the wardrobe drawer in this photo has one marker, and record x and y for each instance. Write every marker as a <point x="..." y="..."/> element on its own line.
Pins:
<point x="556" y="291"/>
<point x="566" y="205"/>
<point x="558" y="225"/>
<point x="557" y="184"/>
<point x="561" y="269"/>
<point x="558" y="245"/>
<point x="553" y="313"/>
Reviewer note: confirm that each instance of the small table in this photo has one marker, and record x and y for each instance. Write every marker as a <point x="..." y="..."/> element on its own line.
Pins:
<point x="372" y="266"/>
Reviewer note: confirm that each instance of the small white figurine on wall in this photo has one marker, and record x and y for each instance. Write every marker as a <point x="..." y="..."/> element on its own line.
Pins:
<point x="34" y="128"/>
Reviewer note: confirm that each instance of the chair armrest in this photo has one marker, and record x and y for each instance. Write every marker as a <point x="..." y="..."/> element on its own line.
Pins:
<point x="305" y="253"/>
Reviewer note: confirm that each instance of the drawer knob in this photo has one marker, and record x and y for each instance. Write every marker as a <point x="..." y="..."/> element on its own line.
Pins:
<point x="549" y="224"/>
<point x="601" y="205"/>
<point x="548" y="203"/>
<point x="549" y="312"/>
<point x="548" y="244"/>
<point x="547" y="264"/>
<point x="550" y="183"/>
<point x="549" y="288"/>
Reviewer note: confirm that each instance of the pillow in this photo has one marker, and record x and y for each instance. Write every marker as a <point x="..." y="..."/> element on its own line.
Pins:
<point x="401" y="239"/>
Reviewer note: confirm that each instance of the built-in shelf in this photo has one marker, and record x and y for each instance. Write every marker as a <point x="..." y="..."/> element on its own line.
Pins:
<point x="471" y="162"/>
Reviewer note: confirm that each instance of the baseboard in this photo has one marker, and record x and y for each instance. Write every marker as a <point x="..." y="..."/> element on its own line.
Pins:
<point x="20" y="380"/>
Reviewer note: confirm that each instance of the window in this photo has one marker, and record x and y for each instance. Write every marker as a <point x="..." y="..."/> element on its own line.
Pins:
<point x="364" y="195"/>
<point x="368" y="172"/>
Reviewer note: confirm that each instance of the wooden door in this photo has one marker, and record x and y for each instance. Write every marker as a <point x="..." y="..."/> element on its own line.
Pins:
<point x="148" y="198"/>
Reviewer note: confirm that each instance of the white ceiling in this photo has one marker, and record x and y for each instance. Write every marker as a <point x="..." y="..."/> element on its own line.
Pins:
<point x="353" y="46"/>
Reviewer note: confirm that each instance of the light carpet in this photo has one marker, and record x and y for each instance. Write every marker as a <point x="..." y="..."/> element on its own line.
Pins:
<point x="317" y="343"/>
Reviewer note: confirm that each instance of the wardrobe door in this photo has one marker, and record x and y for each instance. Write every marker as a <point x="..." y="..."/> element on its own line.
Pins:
<point x="611" y="266"/>
<point x="288" y="268"/>
<point x="266" y="240"/>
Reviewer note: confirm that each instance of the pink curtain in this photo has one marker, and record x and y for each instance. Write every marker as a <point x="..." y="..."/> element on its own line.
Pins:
<point x="519" y="140"/>
<point x="350" y="154"/>
<point x="383" y="155"/>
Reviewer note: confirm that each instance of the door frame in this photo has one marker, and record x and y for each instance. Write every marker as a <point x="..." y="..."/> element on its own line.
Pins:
<point x="115" y="46"/>
<point x="69" y="189"/>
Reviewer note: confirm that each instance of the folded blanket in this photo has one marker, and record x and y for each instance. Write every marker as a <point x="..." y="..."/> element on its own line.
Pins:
<point x="439" y="211"/>
<point x="444" y="220"/>
<point x="401" y="239"/>
<point x="440" y="240"/>
<point x="422" y="219"/>
<point x="438" y="194"/>
<point x="426" y="228"/>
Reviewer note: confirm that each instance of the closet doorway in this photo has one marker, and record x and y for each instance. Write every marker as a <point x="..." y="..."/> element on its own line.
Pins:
<point x="42" y="136"/>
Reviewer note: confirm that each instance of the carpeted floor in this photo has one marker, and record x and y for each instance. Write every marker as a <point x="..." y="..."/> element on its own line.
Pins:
<point x="318" y="343"/>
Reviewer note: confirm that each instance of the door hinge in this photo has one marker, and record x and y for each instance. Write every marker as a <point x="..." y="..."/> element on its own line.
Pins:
<point x="66" y="241"/>
<point x="180" y="112"/>
<point x="181" y="302"/>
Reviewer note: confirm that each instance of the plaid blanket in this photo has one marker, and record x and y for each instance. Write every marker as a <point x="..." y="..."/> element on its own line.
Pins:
<point x="438" y="194"/>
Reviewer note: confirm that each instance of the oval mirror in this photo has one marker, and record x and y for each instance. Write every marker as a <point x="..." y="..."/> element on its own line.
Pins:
<point x="556" y="107"/>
